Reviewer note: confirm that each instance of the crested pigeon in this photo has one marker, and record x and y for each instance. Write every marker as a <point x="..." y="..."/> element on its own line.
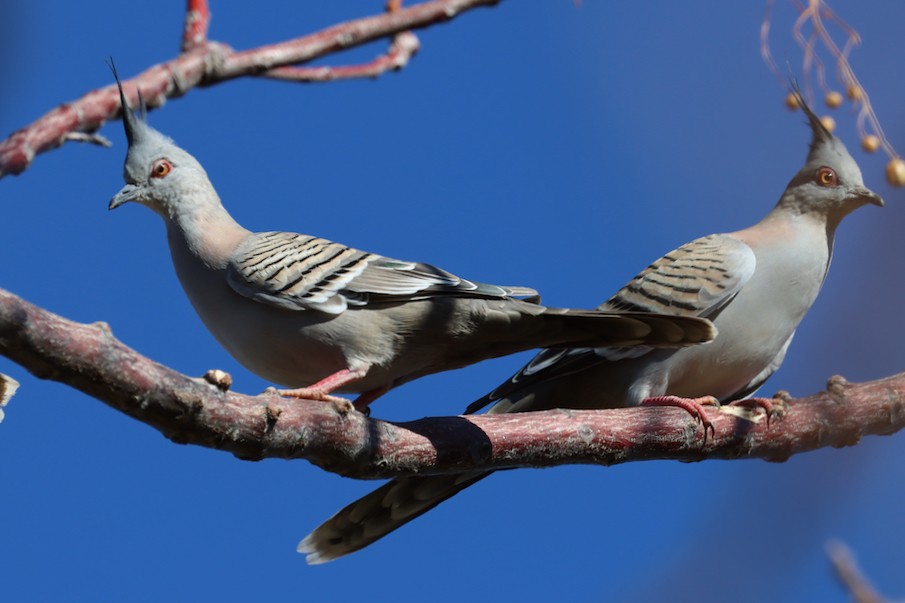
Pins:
<point x="755" y="284"/>
<point x="319" y="317"/>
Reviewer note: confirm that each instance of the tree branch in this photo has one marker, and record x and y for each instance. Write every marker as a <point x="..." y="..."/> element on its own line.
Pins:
<point x="340" y="439"/>
<point x="402" y="49"/>
<point x="205" y="63"/>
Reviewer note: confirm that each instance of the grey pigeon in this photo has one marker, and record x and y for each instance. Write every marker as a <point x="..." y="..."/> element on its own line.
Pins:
<point x="755" y="284"/>
<point x="318" y="316"/>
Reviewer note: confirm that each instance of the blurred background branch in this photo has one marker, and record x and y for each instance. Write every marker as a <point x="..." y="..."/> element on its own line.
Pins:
<point x="850" y="576"/>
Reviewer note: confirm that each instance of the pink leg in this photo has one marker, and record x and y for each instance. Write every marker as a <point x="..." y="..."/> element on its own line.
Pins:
<point x="693" y="406"/>
<point x="321" y="390"/>
<point x="365" y="398"/>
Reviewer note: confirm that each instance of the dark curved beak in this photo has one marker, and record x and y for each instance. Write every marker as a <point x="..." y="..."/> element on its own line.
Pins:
<point x="127" y="194"/>
<point x="867" y="196"/>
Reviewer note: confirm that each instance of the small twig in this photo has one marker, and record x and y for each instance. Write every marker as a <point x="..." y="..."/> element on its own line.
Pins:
<point x="813" y="16"/>
<point x="850" y="576"/>
<point x="197" y="21"/>
<point x="403" y="48"/>
<point x="95" y="138"/>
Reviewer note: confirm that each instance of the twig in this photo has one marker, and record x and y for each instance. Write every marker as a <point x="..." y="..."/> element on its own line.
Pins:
<point x="95" y="138"/>
<point x="339" y="439"/>
<point x="206" y="63"/>
<point x="850" y="576"/>
<point x="816" y="14"/>
<point x="403" y="48"/>
<point x="197" y="21"/>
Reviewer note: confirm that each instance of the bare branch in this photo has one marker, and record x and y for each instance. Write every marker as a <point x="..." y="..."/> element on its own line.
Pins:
<point x="205" y="63"/>
<point x="342" y="440"/>
<point x="403" y="48"/>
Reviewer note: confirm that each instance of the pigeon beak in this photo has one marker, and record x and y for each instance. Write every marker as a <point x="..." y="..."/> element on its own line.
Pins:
<point x="866" y="195"/>
<point x="127" y="194"/>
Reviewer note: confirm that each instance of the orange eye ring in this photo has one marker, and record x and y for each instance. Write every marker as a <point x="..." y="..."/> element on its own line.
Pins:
<point x="161" y="168"/>
<point x="826" y="177"/>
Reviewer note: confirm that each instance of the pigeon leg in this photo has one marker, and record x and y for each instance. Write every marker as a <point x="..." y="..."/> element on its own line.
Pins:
<point x="364" y="399"/>
<point x="321" y="390"/>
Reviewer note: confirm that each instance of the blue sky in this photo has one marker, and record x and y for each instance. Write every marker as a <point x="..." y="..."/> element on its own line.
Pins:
<point x="545" y="144"/>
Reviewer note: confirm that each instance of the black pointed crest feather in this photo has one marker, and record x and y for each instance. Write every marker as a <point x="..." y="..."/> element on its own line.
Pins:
<point x="820" y="134"/>
<point x="131" y="118"/>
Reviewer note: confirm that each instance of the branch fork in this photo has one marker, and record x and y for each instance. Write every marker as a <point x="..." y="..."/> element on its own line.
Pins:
<point x="202" y="62"/>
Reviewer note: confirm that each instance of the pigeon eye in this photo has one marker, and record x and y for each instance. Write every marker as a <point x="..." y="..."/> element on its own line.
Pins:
<point x="161" y="168"/>
<point x="826" y="177"/>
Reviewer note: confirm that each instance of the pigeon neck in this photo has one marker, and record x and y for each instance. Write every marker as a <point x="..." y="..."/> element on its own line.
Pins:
<point x="789" y="218"/>
<point x="208" y="232"/>
<point x="827" y="214"/>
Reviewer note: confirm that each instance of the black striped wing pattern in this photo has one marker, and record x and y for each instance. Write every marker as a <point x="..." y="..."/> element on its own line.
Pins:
<point x="696" y="279"/>
<point x="300" y="272"/>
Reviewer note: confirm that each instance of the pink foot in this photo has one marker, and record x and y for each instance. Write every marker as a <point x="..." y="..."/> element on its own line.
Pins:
<point x="321" y="390"/>
<point x="693" y="406"/>
<point x="306" y="393"/>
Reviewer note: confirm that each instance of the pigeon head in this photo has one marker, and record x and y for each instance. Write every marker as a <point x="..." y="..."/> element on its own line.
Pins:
<point x="830" y="182"/>
<point x="158" y="174"/>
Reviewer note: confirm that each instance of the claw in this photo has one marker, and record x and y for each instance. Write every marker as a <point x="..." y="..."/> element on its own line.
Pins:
<point x="771" y="408"/>
<point x="364" y="399"/>
<point x="306" y="393"/>
<point x="693" y="406"/>
<point x="321" y="390"/>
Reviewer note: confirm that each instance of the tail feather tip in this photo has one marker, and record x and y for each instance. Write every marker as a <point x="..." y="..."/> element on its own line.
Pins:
<point x="313" y="556"/>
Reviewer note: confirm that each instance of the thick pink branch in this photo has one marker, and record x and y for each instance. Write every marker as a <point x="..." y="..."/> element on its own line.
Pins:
<point x="340" y="439"/>
<point x="204" y="63"/>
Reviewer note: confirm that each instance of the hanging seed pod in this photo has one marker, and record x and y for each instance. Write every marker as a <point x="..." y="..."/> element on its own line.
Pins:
<point x="895" y="172"/>
<point x="828" y="122"/>
<point x="791" y="102"/>
<point x="870" y="143"/>
<point x="854" y="93"/>
<point x="833" y="99"/>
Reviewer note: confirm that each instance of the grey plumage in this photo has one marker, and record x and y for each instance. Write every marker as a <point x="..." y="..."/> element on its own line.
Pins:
<point x="308" y="313"/>
<point x="756" y="285"/>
